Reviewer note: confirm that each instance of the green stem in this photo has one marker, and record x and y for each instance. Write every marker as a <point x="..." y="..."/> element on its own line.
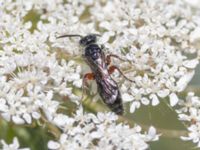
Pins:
<point x="51" y="128"/>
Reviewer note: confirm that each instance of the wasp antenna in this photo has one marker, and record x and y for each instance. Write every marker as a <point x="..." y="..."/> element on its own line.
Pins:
<point x="70" y="35"/>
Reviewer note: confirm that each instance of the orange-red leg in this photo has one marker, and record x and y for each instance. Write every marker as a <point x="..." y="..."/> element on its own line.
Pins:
<point x="87" y="76"/>
<point x="113" y="68"/>
<point x="108" y="58"/>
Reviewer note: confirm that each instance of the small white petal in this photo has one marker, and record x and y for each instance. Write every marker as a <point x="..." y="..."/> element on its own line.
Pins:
<point x="106" y="36"/>
<point x="28" y="25"/>
<point x="96" y="134"/>
<point x="145" y="101"/>
<point x="3" y="107"/>
<point x="106" y="25"/>
<point x="127" y="97"/>
<point x="155" y="100"/>
<point x="6" y="116"/>
<point x="53" y="145"/>
<point x="152" y="134"/>
<point x="28" y="5"/>
<point x="185" y="138"/>
<point x="61" y="120"/>
<point x="15" y="143"/>
<point x="104" y="39"/>
<point x="132" y="108"/>
<point x="78" y="83"/>
<point x="173" y="99"/>
<point x="195" y="35"/>
<point x="191" y="64"/>
<point x="18" y="120"/>
<point x="63" y="138"/>
<point x="27" y="118"/>
<point x="184" y="117"/>
<point x="163" y="93"/>
<point x="184" y="80"/>
<point x="36" y="115"/>
<point x="198" y="145"/>
<point x="134" y="105"/>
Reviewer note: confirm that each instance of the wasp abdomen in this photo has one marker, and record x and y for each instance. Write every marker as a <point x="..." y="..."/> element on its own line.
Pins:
<point x="117" y="106"/>
<point x="114" y="104"/>
<point x="110" y="94"/>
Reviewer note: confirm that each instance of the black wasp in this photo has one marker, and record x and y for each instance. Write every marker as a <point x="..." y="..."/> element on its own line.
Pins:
<point x="98" y="62"/>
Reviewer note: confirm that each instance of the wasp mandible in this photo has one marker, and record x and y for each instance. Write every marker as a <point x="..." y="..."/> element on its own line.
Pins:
<point x="99" y="64"/>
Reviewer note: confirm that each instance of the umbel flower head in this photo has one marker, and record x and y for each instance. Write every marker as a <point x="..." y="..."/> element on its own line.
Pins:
<point x="189" y="114"/>
<point x="89" y="131"/>
<point x="13" y="146"/>
<point x="150" y="35"/>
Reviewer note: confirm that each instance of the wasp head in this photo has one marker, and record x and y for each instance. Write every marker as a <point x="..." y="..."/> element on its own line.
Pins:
<point x="89" y="39"/>
<point x="86" y="40"/>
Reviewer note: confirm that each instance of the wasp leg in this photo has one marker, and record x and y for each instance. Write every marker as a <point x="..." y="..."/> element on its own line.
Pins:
<point x="102" y="47"/>
<point x="108" y="58"/>
<point x="87" y="76"/>
<point x="113" y="68"/>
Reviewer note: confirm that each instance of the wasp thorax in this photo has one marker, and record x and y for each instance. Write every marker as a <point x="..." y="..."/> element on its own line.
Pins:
<point x="89" y="39"/>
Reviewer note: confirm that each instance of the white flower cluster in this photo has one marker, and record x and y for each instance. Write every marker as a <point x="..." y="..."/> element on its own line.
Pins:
<point x="152" y="35"/>
<point x="189" y="113"/>
<point x="89" y="131"/>
<point x="30" y="75"/>
<point x="13" y="146"/>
